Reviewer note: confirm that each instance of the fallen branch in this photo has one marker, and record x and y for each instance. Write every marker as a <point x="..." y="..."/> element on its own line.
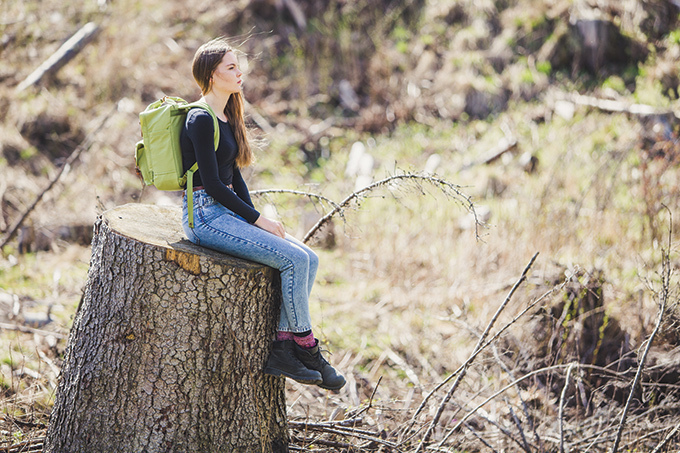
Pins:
<point x="340" y="423"/>
<point x="260" y="120"/>
<point x="25" y="329"/>
<point x="351" y="432"/>
<point x="505" y="145"/>
<point x="63" y="55"/>
<point x="27" y="446"/>
<point x="328" y="443"/>
<point x="609" y="105"/>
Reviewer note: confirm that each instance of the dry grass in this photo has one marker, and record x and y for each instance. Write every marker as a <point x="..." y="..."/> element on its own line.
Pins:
<point x="405" y="288"/>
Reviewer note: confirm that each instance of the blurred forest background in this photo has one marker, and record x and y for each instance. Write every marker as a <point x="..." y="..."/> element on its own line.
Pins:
<point x="557" y="118"/>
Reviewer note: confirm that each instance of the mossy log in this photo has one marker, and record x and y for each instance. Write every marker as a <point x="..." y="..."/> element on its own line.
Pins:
<point x="167" y="348"/>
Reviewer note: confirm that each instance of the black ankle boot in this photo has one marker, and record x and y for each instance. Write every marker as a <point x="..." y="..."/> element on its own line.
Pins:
<point x="283" y="362"/>
<point x="312" y="359"/>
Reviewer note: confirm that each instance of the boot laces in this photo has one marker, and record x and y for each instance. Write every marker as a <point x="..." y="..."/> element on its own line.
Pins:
<point x="321" y="358"/>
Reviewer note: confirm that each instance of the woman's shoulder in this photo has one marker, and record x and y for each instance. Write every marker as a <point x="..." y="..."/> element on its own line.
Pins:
<point x="198" y="117"/>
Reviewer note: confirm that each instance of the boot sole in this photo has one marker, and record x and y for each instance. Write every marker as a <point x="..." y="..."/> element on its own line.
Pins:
<point x="279" y="373"/>
<point x="326" y="387"/>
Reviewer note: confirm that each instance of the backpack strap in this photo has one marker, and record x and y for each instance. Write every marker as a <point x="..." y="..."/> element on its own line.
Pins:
<point x="194" y="168"/>
<point x="190" y="193"/>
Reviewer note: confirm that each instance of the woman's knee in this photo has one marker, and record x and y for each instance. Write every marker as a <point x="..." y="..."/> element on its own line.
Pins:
<point x="313" y="259"/>
<point x="304" y="259"/>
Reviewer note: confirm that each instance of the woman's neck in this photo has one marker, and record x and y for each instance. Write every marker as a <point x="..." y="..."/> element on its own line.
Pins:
<point x="217" y="103"/>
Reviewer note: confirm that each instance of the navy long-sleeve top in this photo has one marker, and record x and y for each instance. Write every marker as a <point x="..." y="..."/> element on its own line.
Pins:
<point x="217" y="169"/>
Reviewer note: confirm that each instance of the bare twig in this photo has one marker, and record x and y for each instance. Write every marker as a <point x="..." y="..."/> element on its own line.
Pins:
<point x="525" y="409"/>
<point x="447" y="187"/>
<point x="596" y="437"/>
<point x="498" y="334"/>
<point x="84" y="146"/>
<point x="638" y="439"/>
<point x="513" y="384"/>
<point x="294" y="192"/>
<point x="563" y="396"/>
<point x="496" y="424"/>
<point x="359" y="434"/>
<point x="666" y="439"/>
<point x="343" y="425"/>
<point x="524" y="444"/>
<point x="370" y="400"/>
<point x="665" y="294"/>
<point x="328" y="443"/>
<point x="497" y="393"/>
<point x="481" y="439"/>
<point x="480" y="342"/>
<point x="27" y="446"/>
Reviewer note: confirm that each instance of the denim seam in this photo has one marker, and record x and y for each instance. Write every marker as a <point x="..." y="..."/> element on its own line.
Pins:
<point x="257" y="244"/>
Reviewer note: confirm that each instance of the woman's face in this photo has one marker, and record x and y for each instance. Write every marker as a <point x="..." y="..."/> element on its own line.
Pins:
<point x="227" y="75"/>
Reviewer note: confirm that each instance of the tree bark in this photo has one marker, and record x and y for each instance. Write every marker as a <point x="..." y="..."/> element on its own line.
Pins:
<point x="167" y="348"/>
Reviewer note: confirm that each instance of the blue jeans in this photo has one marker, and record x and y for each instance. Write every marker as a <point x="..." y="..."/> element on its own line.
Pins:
<point x="219" y="228"/>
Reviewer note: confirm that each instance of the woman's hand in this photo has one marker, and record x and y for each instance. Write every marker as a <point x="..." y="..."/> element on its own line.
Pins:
<point x="273" y="226"/>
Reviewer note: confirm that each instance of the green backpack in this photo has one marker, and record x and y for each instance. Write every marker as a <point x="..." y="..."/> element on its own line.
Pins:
<point x="158" y="156"/>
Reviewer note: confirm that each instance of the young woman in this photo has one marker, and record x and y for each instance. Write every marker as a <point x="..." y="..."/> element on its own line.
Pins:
<point x="226" y="220"/>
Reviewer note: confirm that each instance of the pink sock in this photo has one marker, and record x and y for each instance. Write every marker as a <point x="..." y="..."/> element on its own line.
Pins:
<point x="307" y="342"/>
<point x="281" y="335"/>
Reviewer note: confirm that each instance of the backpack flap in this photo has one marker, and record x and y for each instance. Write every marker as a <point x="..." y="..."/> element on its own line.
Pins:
<point x="161" y="157"/>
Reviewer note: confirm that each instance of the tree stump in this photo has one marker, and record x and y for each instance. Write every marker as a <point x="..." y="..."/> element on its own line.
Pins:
<point x="167" y="348"/>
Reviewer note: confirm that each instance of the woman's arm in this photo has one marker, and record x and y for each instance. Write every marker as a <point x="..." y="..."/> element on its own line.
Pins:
<point x="200" y="129"/>
<point x="240" y="187"/>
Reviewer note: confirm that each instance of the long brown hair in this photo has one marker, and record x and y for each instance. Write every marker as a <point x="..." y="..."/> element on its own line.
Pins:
<point x="206" y="60"/>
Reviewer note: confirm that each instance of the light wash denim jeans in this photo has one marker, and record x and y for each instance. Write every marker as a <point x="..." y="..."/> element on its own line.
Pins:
<point x="219" y="228"/>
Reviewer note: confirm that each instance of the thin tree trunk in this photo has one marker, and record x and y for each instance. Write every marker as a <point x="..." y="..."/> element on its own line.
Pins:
<point x="167" y="349"/>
